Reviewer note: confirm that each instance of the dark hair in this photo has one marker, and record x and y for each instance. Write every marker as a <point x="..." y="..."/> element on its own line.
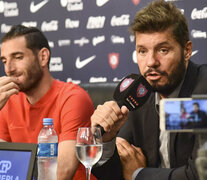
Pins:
<point x="197" y="104"/>
<point x="159" y="16"/>
<point x="35" y="39"/>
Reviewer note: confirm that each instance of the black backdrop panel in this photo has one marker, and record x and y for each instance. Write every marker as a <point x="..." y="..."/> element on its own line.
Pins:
<point x="89" y="39"/>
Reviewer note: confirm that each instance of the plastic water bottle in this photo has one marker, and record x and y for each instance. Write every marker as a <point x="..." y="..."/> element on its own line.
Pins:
<point x="47" y="151"/>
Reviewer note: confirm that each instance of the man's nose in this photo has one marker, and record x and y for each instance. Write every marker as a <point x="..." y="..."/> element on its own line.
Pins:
<point x="9" y="68"/>
<point x="152" y="60"/>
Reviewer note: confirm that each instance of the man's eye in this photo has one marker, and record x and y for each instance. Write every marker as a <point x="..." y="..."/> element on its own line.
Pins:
<point x="19" y="57"/>
<point x="3" y="61"/>
<point x="163" y="50"/>
<point x="141" y="51"/>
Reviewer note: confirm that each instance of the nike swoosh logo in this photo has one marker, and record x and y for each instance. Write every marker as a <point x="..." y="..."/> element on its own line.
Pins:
<point x="80" y="64"/>
<point x="101" y="2"/>
<point x="36" y="7"/>
<point x="194" y="52"/>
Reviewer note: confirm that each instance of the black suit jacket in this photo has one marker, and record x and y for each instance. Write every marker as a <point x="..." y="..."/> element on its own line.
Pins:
<point x="142" y="130"/>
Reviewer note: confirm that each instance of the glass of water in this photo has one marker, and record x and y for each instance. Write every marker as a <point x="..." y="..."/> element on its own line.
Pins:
<point x="89" y="147"/>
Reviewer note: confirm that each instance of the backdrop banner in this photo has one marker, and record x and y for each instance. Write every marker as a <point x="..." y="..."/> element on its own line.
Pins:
<point x="90" y="40"/>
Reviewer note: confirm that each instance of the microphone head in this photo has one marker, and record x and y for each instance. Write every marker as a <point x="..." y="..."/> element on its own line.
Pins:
<point x="132" y="91"/>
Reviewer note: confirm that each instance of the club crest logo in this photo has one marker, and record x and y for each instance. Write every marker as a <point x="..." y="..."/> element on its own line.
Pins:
<point x="113" y="60"/>
<point x="141" y="90"/>
<point x="125" y="84"/>
<point x="136" y="2"/>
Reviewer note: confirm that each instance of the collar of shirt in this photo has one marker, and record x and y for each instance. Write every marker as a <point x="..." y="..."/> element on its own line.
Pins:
<point x="164" y="136"/>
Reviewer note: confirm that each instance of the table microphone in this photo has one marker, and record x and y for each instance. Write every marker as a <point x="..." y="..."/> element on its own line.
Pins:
<point x="132" y="91"/>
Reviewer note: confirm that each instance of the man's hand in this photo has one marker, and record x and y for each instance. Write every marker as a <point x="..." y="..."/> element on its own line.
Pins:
<point x="131" y="157"/>
<point x="110" y="117"/>
<point x="8" y="87"/>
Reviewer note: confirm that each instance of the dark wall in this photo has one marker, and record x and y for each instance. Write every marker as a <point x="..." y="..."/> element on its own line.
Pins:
<point x="96" y="30"/>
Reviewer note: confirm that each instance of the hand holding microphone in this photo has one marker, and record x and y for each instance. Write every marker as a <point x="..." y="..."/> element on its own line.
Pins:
<point x="110" y="118"/>
<point x="132" y="92"/>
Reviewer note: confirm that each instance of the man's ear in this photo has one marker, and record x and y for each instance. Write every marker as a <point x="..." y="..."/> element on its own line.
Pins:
<point x="187" y="51"/>
<point x="44" y="55"/>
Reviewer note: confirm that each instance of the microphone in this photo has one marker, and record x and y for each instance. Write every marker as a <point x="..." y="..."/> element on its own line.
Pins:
<point x="132" y="91"/>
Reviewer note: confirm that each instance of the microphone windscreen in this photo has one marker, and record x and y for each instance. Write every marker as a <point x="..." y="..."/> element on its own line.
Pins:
<point x="132" y="91"/>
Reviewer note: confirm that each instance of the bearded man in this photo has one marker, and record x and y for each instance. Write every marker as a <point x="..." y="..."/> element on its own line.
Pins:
<point x="163" y="51"/>
<point x="29" y="93"/>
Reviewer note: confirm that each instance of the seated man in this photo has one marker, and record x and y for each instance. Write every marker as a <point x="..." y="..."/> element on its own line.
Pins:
<point x="197" y="117"/>
<point x="163" y="53"/>
<point x="29" y="93"/>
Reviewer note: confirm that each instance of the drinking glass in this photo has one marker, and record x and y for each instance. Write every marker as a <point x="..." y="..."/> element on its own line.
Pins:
<point x="89" y="147"/>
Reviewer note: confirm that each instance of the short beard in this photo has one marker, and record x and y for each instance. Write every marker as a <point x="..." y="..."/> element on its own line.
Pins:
<point x="34" y="76"/>
<point x="32" y="83"/>
<point x="174" y="79"/>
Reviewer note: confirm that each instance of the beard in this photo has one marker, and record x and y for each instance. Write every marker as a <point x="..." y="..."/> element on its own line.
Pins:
<point x="173" y="79"/>
<point x="33" y="75"/>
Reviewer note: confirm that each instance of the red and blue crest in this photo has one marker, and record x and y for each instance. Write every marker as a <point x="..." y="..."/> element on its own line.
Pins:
<point x="141" y="90"/>
<point x="125" y="84"/>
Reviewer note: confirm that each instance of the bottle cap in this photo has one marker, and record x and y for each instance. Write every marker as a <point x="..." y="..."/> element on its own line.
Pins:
<point x="47" y="121"/>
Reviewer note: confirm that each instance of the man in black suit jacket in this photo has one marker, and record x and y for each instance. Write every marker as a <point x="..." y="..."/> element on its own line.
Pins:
<point x="197" y="117"/>
<point x="163" y="56"/>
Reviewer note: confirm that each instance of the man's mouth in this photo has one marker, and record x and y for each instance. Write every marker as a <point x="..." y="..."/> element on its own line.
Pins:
<point x="153" y="76"/>
<point x="17" y="78"/>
